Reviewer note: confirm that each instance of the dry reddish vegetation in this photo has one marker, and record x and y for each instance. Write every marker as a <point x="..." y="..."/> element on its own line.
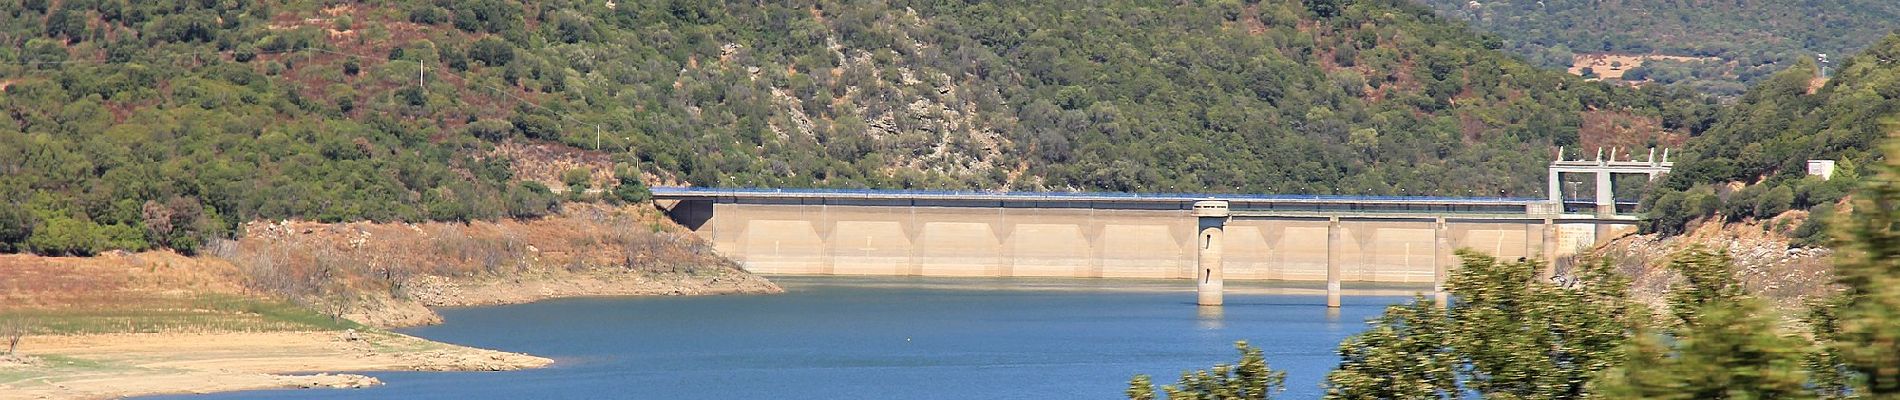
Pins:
<point x="382" y="274"/>
<point x="385" y="273"/>
<point x="1633" y="134"/>
<point x="146" y="292"/>
<point x="34" y="282"/>
<point x="545" y="162"/>
<point x="369" y="39"/>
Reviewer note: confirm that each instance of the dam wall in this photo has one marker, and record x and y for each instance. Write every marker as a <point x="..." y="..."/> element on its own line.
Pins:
<point x="1160" y="243"/>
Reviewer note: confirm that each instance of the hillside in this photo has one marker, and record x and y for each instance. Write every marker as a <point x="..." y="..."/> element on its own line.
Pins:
<point x="1717" y="47"/>
<point x="156" y="124"/>
<point x="1751" y="164"/>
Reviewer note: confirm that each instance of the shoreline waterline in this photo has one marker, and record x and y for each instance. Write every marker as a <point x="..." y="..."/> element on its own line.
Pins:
<point x="883" y="337"/>
<point x="1240" y="287"/>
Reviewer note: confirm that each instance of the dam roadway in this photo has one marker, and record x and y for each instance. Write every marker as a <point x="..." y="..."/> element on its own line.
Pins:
<point x="1114" y="235"/>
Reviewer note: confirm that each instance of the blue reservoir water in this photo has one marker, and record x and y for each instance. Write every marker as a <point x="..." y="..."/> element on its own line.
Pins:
<point x="882" y="338"/>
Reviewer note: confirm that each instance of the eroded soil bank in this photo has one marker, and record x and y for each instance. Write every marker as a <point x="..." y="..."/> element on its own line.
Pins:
<point x="292" y="297"/>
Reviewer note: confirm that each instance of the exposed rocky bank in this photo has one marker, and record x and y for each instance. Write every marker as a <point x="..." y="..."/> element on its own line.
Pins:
<point x="388" y="274"/>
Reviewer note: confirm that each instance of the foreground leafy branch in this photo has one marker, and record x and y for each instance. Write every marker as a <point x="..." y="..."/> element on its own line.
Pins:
<point x="1250" y="378"/>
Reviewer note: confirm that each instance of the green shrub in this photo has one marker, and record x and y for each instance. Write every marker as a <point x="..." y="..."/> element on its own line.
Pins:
<point x="632" y="190"/>
<point x="578" y="179"/>
<point x="67" y="236"/>
<point x="16" y="225"/>
<point x="492" y="51"/>
<point x="530" y="199"/>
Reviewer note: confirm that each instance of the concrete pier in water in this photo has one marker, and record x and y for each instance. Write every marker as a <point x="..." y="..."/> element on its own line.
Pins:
<point x="1212" y="217"/>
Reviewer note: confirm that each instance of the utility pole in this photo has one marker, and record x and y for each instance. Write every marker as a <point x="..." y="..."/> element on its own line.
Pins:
<point x="596" y="137"/>
<point x="419" y="84"/>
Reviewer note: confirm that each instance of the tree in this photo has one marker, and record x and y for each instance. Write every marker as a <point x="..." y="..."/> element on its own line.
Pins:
<point x="630" y="189"/>
<point x="12" y="331"/>
<point x="1402" y="356"/>
<point x="1707" y="280"/>
<point x="16" y="225"/>
<point x="1528" y="337"/>
<point x="67" y="236"/>
<point x="492" y="51"/>
<point x="1869" y="268"/>
<point x="1725" y="344"/>
<point x="537" y="127"/>
<point x="1645" y="371"/>
<point x="1828" y="372"/>
<point x="1250" y="378"/>
<point x="1141" y="388"/>
<point x="530" y="199"/>
<point x="1508" y="334"/>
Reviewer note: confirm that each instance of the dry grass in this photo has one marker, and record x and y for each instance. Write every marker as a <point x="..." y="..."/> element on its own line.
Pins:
<point x="1632" y="134"/>
<point x="1612" y="66"/>
<point x="193" y="314"/>
<point x="148" y="292"/>
<point x="368" y="268"/>
<point x="295" y="275"/>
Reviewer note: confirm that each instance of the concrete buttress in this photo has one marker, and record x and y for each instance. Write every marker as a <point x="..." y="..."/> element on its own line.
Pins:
<point x="1441" y="260"/>
<point x="1333" y="249"/>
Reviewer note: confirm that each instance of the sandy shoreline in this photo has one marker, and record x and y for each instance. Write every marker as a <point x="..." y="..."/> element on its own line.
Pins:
<point x="121" y="365"/>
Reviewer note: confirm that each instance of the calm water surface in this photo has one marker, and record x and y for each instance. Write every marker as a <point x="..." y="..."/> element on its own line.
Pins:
<point x="879" y="338"/>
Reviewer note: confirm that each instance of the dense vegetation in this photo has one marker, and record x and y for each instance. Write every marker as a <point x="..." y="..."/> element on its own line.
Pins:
<point x="1766" y="138"/>
<point x="147" y="124"/>
<point x="1513" y="331"/>
<point x="1503" y="313"/>
<point x="1749" y="39"/>
<point x="139" y="124"/>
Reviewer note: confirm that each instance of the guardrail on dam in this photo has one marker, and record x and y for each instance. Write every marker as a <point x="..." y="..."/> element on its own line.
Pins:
<point x="918" y="233"/>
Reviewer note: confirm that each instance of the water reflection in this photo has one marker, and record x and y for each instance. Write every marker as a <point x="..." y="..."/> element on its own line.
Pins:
<point x="1210" y="317"/>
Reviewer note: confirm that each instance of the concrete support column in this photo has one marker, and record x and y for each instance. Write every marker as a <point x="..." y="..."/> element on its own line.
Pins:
<point x="729" y="234"/>
<point x="1531" y="241"/>
<point x="1606" y="198"/>
<point x="1098" y="252"/>
<point x="1334" y="246"/>
<point x="1441" y="260"/>
<point x="1004" y="228"/>
<point x="1556" y="187"/>
<point x="1186" y="238"/>
<point x="827" y="244"/>
<point x="1606" y="204"/>
<point x="1550" y="243"/>
<point x="1366" y="236"/>
<point x="914" y="232"/>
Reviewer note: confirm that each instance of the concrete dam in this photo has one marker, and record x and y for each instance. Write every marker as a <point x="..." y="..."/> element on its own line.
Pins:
<point x="912" y="233"/>
<point x="1205" y="237"/>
